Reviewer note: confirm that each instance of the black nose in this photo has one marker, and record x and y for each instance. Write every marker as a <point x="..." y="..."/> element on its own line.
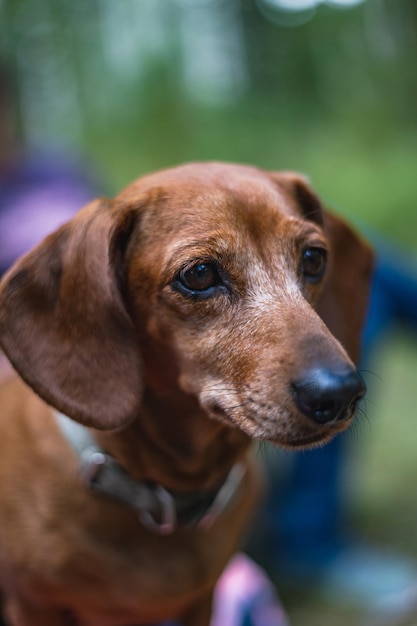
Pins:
<point x="326" y="396"/>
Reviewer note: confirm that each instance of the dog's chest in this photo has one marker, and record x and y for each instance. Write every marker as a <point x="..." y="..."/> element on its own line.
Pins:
<point x="62" y="545"/>
<point x="114" y="578"/>
<point x="95" y="558"/>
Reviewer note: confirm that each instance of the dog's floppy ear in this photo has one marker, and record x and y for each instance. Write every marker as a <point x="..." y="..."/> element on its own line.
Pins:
<point x="343" y="302"/>
<point x="63" y="323"/>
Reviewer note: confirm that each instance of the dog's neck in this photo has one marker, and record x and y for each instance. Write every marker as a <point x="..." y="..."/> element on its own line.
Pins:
<point x="177" y="446"/>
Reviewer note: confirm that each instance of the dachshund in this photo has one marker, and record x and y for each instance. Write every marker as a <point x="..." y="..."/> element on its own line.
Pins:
<point x="154" y="337"/>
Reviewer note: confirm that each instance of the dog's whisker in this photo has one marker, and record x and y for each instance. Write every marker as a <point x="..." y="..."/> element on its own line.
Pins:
<point x="354" y="431"/>
<point x="375" y="374"/>
<point x="361" y="418"/>
<point x="234" y="388"/>
<point x="236" y="406"/>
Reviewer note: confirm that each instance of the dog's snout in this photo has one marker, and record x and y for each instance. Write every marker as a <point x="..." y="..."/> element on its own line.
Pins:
<point x="327" y="396"/>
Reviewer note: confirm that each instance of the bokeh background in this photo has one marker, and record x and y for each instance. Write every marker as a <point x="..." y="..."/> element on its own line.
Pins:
<point x="327" y="88"/>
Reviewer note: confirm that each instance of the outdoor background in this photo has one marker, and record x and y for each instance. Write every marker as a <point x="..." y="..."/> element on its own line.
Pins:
<point x="327" y="88"/>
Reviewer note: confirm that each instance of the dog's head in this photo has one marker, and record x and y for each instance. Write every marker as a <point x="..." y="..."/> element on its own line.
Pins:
<point x="217" y="282"/>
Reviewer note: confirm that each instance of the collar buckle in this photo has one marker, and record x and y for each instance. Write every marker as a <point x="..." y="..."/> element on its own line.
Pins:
<point x="155" y="505"/>
<point x="168" y="516"/>
<point x="159" y="510"/>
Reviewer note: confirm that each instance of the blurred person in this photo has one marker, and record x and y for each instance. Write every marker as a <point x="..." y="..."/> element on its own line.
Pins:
<point x="39" y="189"/>
<point x="307" y="537"/>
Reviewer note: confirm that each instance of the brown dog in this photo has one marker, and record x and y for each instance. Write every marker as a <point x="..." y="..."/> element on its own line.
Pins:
<point x="196" y="311"/>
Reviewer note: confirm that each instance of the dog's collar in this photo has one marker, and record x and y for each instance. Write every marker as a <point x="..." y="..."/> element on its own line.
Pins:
<point x="159" y="510"/>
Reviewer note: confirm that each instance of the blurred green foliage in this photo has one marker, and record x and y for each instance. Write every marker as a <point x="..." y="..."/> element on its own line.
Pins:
<point x="320" y="101"/>
<point x="334" y="97"/>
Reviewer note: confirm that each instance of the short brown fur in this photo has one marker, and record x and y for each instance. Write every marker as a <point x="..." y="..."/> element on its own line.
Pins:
<point x="174" y="387"/>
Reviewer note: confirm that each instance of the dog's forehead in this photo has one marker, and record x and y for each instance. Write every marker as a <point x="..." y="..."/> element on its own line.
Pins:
<point x="201" y="196"/>
<point x="236" y="214"/>
<point x="214" y="174"/>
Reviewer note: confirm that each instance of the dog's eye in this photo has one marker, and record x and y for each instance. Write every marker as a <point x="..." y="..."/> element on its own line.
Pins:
<point x="314" y="264"/>
<point x="200" y="277"/>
